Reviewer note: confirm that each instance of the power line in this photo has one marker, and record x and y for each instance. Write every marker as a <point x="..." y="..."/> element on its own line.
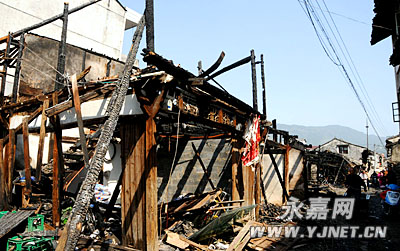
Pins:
<point x="310" y="12"/>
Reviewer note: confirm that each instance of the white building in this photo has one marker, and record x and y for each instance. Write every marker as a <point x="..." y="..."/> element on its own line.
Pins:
<point x="99" y="27"/>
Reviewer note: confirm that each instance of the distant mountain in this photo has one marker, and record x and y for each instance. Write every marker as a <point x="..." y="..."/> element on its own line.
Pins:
<point x="318" y="135"/>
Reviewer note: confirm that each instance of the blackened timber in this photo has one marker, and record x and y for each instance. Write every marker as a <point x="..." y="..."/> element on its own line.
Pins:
<point x="11" y="160"/>
<point x="254" y="79"/>
<point x="18" y="69"/>
<point x="4" y="72"/>
<point x="52" y="19"/>
<point x="230" y="67"/>
<point x="212" y="67"/>
<point x="62" y="50"/>
<point x="149" y="14"/>
<point x="54" y="110"/>
<point x="86" y="192"/>
<point x="183" y="75"/>
<point x="263" y="87"/>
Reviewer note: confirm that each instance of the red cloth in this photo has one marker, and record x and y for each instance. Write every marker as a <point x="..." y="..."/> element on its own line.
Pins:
<point x="252" y="137"/>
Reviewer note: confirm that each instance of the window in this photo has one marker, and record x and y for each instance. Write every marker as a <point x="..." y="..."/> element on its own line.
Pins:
<point x="343" y="149"/>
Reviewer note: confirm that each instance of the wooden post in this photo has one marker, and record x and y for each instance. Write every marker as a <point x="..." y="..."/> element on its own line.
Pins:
<point x="235" y="166"/>
<point x="18" y="69"/>
<point x="257" y="192"/>
<point x="149" y="16"/>
<point x="41" y="141"/>
<point x="11" y="160"/>
<point x="254" y="79"/>
<point x="263" y="87"/>
<point x="77" y="105"/>
<point x="286" y="173"/>
<point x="151" y="187"/>
<point x="58" y="168"/>
<point x="25" y="135"/>
<point x="133" y="188"/>
<point x="62" y="50"/>
<point x="3" y="73"/>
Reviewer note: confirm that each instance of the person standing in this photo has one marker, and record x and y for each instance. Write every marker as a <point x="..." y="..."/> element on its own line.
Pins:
<point x="364" y="177"/>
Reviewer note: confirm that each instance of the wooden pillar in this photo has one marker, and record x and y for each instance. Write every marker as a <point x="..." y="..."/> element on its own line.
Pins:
<point x="149" y="15"/>
<point x="257" y="187"/>
<point x="25" y="135"/>
<point x="235" y="166"/>
<point x="151" y="186"/>
<point x="58" y="168"/>
<point x="41" y="141"/>
<point x="10" y="162"/>
<point x="139" y="185"/>
<point x="286" y="172"/>
<point x="3" y="201"/>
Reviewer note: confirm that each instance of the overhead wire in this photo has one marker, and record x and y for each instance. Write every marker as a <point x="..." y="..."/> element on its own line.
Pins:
<point x="353" y="66"/>
<point x="310" y="13"/>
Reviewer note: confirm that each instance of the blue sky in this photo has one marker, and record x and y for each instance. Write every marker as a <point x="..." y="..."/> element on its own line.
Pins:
<point x="303" y="86"/>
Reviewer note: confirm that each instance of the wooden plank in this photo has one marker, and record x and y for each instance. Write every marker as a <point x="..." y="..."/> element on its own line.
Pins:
<point x="25" y="135"/>
<point x="42" y="136"/>
<point x="151" y="186"/>
<point x="242" y="234"/>
<point x="243" y="243"/>
<point x="77" y="105"/>
<point x="174" y="240"/>
<point x="193" y="244"/>
<point x="222" y="208"/>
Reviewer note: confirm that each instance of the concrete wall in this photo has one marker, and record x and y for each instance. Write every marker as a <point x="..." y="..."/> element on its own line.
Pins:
<point x="39" y="62"/>
<point x="99" y="27"/>
<point x="188" y="176"/>
<point x="272" y="186"/>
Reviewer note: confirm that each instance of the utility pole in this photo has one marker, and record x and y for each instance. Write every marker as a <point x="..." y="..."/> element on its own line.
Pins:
<point x="366" y="126"/>
<point x="397" y="68"/>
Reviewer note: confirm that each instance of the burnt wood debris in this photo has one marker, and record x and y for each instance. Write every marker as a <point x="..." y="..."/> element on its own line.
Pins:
<point x="197" y="167"/>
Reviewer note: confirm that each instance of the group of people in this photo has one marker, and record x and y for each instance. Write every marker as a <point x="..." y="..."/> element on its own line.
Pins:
<point x="359" y="177"/>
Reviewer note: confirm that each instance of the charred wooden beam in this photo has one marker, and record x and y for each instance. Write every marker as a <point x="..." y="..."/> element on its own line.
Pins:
<point x="230" y="67"/>
<point x="71" y="234"/>
<point x="212" y="67"/>
<point x="18" y="69"/>
<point x="62" y="51"/>
<point x="54" y="110"/>
<point x="4" y="71"/>
<point x="149" y="14"/>
<point x="254" y="79"/>
<point x="263" y="87"/>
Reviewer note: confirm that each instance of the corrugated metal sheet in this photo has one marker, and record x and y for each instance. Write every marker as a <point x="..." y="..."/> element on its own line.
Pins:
<point x="11" y="220"/>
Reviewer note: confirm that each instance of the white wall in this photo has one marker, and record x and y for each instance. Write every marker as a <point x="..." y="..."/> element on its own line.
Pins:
<point x="99" y="27"/>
